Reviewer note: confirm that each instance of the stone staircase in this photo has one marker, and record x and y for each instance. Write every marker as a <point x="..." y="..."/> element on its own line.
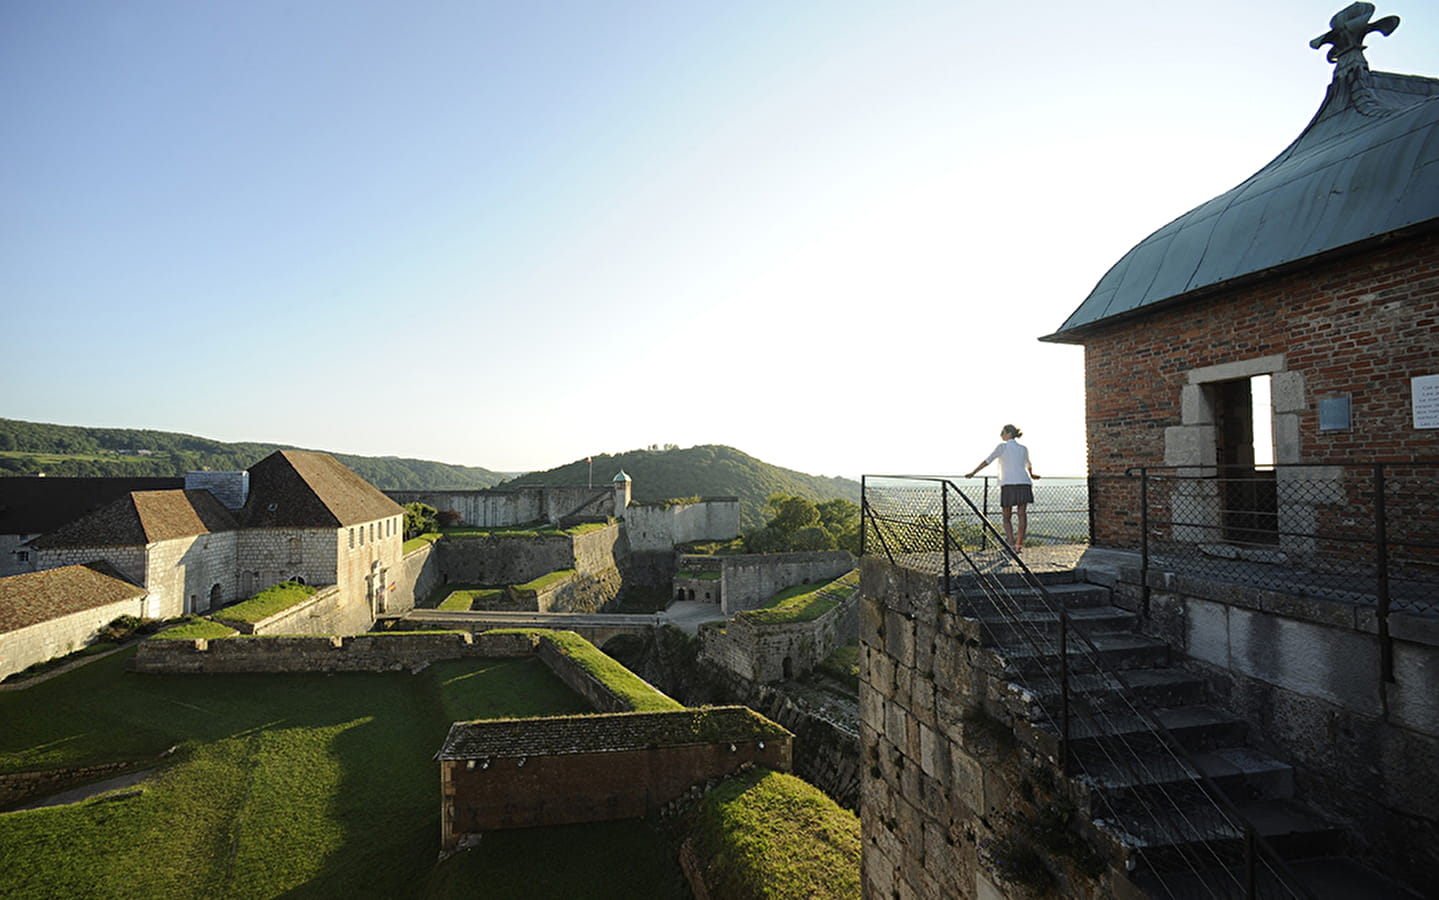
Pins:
<point x="1152" y="806"/>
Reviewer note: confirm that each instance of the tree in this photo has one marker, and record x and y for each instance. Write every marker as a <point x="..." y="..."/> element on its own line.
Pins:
<point x="419" y="519"/>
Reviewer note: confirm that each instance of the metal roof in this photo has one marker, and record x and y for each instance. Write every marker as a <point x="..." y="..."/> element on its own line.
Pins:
<point x="1367" y="165"/>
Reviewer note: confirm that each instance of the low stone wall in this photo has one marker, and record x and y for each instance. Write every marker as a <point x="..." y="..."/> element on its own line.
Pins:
<point x="595" y="692"/>
<point x="355" y="653"/>
<point x="18" y="788"/>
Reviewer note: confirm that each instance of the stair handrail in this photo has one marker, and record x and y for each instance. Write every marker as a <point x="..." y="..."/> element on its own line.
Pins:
<point x="1255" y="844"/>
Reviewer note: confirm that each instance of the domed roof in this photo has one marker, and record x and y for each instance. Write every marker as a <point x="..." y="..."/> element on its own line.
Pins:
<point x="1367" y="165"/>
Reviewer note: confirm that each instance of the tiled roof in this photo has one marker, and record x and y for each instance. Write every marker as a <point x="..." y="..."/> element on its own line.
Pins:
<point x="304" y="489"/>
<point x="143" y="517"/>
<point x="1366" y="167"/>
<point x="36" y="597"/>
<point x="606" y="732"/>
<point x="37" y="505"/>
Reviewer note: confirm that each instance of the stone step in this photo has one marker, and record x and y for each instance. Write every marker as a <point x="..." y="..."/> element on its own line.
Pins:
<point x="1144" y="688"/>
<point x="1204" y="841"/>
<point x="996" y="628"/>
<point x="985" y="604"/>
<point x="1037" y="662"/>
<point x="1154" y="777"/>
<point x="1124" y="734"/>
<point x="1325" y="878"/>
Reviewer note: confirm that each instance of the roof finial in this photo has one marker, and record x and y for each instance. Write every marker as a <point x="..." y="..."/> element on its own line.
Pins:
<point x="1349" y="27"/>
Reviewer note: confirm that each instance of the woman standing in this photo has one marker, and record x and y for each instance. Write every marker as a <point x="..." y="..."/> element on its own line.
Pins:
<point x="1015" y="481"/>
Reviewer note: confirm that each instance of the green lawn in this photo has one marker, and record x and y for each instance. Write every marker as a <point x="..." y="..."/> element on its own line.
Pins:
<point x="765" y="834"/>
<point x="804" y="602"/>
<point x="293" y="785"/>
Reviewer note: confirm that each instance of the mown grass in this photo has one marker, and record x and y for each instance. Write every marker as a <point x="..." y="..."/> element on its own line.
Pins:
<point x="273" y="599"/>
<point x="766" y="834"/>
<point x="470" y="597"/>
<point x="802" y="603"/>
<point x="294" y="785"/>
<point x="634" y="690"/>
<point x="547" y="580"/>
<point x="420" y="540"/>
<point x="197" y="628"/>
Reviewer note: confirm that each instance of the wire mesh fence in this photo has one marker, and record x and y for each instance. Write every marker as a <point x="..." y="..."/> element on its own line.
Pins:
<point x="1366" y="534"/>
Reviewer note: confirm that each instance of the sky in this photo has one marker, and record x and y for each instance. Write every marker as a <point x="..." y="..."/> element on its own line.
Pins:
<point x="516" y="234"/>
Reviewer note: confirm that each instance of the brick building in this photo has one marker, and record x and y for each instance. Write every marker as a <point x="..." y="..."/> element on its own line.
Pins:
<point x="520" y="773"/>
<point x="1314" y="283"/>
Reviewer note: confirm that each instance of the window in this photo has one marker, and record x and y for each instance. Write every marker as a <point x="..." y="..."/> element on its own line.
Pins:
<point x="352" y="538"/>
<point x="24" y="555"/>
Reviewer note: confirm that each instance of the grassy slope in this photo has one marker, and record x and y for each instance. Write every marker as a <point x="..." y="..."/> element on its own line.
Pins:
<point x="769" y="835"/>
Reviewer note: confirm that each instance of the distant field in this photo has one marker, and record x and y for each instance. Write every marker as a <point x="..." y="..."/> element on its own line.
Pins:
<point x="289" y="785"/>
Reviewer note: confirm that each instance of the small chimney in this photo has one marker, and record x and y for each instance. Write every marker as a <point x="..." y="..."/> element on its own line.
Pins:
<point x="230" y="488"/>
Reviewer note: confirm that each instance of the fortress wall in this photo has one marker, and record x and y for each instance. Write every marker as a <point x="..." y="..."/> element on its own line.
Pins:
<point x="417" y="574"/>
<point x="655" y="528"/>
<point x="746" y="582"/>
<point x="521" y="505"/>
<point x="504" y="559"/>
<point x="758" y="653"/>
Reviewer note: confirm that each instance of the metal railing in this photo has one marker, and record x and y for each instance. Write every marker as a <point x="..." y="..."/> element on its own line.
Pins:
<point x="1361" y="534"/>
<point x="930" y="524"/>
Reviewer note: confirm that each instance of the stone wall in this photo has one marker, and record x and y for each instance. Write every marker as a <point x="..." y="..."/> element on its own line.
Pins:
<point x="191" y="574"/>
<point x="503" y="559"/>
<point x="518" y="506"/>
<point x="1305" y="674"/>
<point x="663" y="526"/>
<point x="523" y="791"/>
<point x="128" y="560"/>
<point x="23" y="647"/>
<point x="748" y="581"/>
<point x="945" y="789"/>
<point x="326" y="612"/>
<point x="356" y="653"/>
<point x="418" y="574"/>
<point x="764" y="653"/>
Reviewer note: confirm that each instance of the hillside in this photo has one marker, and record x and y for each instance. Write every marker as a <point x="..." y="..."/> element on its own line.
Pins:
<point x="709" y="470"/>
<point x="29" y="448"/>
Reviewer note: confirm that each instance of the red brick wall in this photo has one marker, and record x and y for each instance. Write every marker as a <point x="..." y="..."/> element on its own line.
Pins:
<point x="1362" y="325"/>
<point x="589" y="787"/>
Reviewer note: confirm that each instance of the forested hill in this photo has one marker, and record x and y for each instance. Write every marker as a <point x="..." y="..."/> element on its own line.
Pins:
<point x="29" y="448"/>
<point x="710" y="470"/>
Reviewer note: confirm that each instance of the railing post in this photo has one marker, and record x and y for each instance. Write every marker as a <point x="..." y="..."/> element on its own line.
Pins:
<point x="863" y="512"/>
<point x="1064" y="689"/>
<point x="984" y="505"/>
<point x="1144" y="539"/>
<point x="1249" y="862"/>
<point x="944" y="531"/>
<point x="1381" y="560"/>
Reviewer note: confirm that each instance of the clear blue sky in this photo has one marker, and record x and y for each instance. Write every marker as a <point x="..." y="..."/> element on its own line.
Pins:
<point x="515" y="234"/>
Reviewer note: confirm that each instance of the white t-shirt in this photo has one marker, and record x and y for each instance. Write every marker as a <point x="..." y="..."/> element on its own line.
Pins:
<point x="1013" y="462"/>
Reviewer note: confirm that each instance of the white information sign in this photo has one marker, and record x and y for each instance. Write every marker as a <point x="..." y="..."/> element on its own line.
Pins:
<point x="1426" y="401"/>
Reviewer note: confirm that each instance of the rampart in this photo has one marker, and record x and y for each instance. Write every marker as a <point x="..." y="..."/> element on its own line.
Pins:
<point x="748" y="581"/>
<point x="520" y="505"/>
<point x="660" y="527"/>
<point x="763" y="653"/>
